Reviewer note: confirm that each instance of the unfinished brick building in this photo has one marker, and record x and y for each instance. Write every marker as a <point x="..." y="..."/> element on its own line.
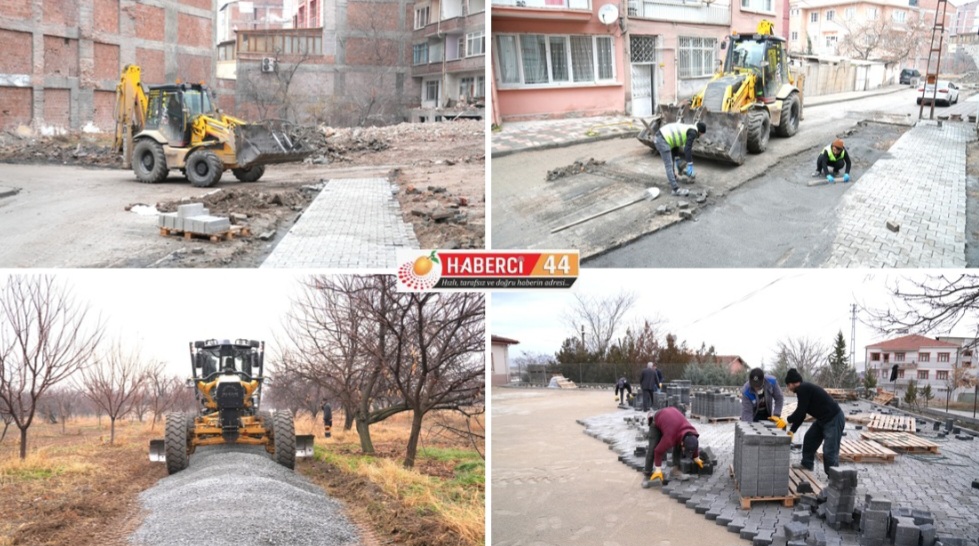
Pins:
<point x="62" y="58"/>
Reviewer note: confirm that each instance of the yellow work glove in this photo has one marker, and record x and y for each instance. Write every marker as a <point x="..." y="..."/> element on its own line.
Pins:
<point x="698" y="462"/>
<point x="789" y="432"/>
<point x="616" y="398"/>
<point x="657" y="475"/>
<point x="779" y="422"/>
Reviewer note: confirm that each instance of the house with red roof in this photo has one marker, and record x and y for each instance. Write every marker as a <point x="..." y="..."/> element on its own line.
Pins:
<point x="924" y="360"/>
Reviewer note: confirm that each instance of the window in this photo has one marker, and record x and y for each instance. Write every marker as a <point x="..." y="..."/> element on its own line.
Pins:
<point x="900" y="374"/>
<point x="830" y="14"/>
<point x="848" y="13"/>
<point x="899" y="16"/>
<point x="432" y="90"/>
<point x="461" y="47"/>
<point x="964" y="353"/>
<point x="420" y="54"/>
<point x="872" y="13"/>
<point x="795" y="36"/>
<point x="831" y="43"/>
<point x="757" y="5"/>
<point x="475" y="44"/>
<point x="924" y="357"/>
<point x="883" y="373"/>
<point x="471" y="87"/>
<point x="538" y="59"/>
<point x="941" y="375"/>
<point x="696" y="56"/>
<point x="422" y="16"/>
<point x="898" y="357"/>
<point x="794" y="12"/>
<point x="814" y="17"/>
<point x="942" y="357"/>
<point x="875" y="357"/>
<point x="923" y="374"/>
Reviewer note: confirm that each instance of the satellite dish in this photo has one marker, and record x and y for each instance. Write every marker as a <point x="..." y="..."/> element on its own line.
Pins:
<point x="608" y="14"/>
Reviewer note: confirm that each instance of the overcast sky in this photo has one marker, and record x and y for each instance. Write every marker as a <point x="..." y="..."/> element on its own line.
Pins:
<point x="738" y="311"/>
<point x="161" y="311"/>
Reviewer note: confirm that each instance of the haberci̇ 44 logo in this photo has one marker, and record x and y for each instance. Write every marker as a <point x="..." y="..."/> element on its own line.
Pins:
<point x="447" y="270"/>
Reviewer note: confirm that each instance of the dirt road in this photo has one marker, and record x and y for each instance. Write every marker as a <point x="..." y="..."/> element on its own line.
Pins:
<point x="552" y="484"/>
<point x="73" y="215"/>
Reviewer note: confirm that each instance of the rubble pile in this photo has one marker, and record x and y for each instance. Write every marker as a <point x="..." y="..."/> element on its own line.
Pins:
<point x="577" y="167"/>
<point x="23" y="146"/>
<point x="236" y="201"/>
<point x="337" y="143"/>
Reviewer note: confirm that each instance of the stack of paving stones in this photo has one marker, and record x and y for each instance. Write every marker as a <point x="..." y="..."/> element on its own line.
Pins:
<point x="194" y="218"/>
<point x="715" y="405"/>
<point x="761" y="460"/>
<point x="841" y="495"/>
<point x="660" y="400"/>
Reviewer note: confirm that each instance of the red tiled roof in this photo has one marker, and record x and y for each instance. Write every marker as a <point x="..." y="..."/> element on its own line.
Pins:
<point x="912" y="342"/>
<point x="506" y="340"/>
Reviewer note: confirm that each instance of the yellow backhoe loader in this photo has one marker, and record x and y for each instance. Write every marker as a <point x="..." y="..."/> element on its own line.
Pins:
<point x="227" y="379"/>
<point x="175" y="126"/>
<point x="753" y="95"/>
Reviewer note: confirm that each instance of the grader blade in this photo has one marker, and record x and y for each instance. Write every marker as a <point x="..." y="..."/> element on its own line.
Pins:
<point x="266" y="143"/>
<point x="158" y="452"/>
<point x="726" y="138"/>
<point x="304" y="445"/>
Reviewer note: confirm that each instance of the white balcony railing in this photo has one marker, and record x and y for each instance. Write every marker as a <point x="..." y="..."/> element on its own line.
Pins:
<point x="545" y="4"/>
<point x="681" y="12"/>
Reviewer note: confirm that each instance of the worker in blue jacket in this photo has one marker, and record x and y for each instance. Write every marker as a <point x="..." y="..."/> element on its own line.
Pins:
<point x="761" y="398"/>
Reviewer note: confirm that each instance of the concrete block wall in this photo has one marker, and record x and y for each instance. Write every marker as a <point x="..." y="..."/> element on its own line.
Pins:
<point x="761" y="460"/>
<point x="63" y="58"/>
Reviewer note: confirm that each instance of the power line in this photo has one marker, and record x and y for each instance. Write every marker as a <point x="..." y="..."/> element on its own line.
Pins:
<point x="743" y="299"/>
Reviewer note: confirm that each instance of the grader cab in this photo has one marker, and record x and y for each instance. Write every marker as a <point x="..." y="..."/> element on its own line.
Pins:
<point x="227" y="379"/>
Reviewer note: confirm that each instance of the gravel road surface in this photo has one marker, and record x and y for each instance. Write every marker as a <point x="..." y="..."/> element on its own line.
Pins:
<point x="235" y="496"/>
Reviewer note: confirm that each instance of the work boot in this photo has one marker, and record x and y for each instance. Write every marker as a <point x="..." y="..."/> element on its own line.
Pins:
<point x="681" y="192"/>
<point x="646" y="482"/>
<point x="817" y="174"/>
<point x="799" y="466"/>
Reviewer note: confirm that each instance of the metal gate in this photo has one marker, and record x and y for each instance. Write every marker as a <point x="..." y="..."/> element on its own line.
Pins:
<point x="643" y="62"/>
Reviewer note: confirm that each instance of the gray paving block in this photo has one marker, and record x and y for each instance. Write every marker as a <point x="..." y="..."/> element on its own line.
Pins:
<point x="816" y="538"/>
<point x="762" y="538"/>
<point x="796" y="530"/>
<point x="193" y="209"/>
<point x="928" y="534"/>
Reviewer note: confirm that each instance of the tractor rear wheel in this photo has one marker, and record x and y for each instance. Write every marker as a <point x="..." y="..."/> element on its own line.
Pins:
<point x="204" y="168"/>
<point x="149" y="161"/>
<point x="759" y="130"/>
<point x="175" y="442"/>
<point x="284" y="439"/>
<point x="788" y="125"/>
<point x="250" y="174"/>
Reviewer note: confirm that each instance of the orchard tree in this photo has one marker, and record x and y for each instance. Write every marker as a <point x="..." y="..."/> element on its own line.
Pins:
<point x="114" y="383"/>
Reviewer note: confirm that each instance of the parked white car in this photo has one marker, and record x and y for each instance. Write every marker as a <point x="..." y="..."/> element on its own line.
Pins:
<point x="948" y="93"/>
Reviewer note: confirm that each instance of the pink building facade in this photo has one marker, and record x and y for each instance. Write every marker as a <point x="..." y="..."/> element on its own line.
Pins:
<point x="651" y="52"/>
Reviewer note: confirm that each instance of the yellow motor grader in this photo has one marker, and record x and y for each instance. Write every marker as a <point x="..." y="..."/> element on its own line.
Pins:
<point x="227" y="378"/>
<point x="175" y="126"/>
<point x="752" y="95"/>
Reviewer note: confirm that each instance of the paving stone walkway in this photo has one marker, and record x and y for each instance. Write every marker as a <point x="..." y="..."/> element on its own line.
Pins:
<point x="352" y="223"/>
<point x="920" y="188"/>
<point x="940" y="483"/>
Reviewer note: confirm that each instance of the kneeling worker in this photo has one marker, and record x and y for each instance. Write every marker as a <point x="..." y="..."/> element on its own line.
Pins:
<point x="668" y="428"/>
<point x="674" y="136"/>
<point x="833" y="156"/>
<point x="621" y="387"/>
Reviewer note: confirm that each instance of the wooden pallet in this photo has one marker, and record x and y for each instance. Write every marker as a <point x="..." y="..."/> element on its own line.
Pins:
<point x="902" y="442"/>
<point x="788" y="408"/>
<point x="235" y="231"/>
<point x="884" y="398"/>
<point x="787" y="501"/>
<point x="715" y="419"/>
<point x="798" y="475"/>
<point x="892" y="423"/>
<point x="860" y="418"/>
<point x="842" y="395"/>
<point x="862" y="451"/>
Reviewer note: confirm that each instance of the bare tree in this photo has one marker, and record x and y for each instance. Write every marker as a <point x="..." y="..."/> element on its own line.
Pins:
<point x="438" y="362"/>
<point x="270" y="92"/>
<point x="114" y="383"/>
<point x="45" y="336"/>
<point x="66" y="401"/>
<point x="937" y="303"/>
<point x="162" y="392"/>
<point x="803" y="354"/>
<point x="6" y="418"/>
<point x="472" y="431"/>
<point x="883" y="39"/>
<point x="601" y="318"/>
<point x="340" y="347"/>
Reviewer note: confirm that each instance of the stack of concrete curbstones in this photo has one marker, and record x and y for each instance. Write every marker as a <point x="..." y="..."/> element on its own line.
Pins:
<point x="194" y="218"/>
<point x="761" y="460"/>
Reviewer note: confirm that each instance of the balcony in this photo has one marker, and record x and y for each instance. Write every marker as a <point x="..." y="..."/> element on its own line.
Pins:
<point x="680" y="12"/>
<point x="555" y="10"/>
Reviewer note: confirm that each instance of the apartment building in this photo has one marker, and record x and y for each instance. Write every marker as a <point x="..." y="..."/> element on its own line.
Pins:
<point x="926" y="361"/>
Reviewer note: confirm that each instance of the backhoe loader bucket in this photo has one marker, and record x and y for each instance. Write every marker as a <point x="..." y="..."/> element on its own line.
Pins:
<point x="158" y="452"/>
<point x="266" y="143"/>
<point x="726" y="138"/>
<point x="304" y="445"/>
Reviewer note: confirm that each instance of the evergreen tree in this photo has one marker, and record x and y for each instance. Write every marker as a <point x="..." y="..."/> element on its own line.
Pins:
<point x="911" y="395"/>
<point x="926" y="394"/>
<point x="781" y="366"/>
<point x="839" y="374"/>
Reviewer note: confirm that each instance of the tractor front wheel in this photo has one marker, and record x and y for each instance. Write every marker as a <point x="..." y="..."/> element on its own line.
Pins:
<point x="175" y="442"/>
<point x="250" y="174"/>
<point x="759" y="130"/>
<point x="149" y="161"/>
<point x="204" y="168"/>
<point x="284" y="439"/>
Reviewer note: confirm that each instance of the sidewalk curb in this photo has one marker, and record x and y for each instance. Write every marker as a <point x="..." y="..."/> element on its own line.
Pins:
<point x="553" y="145"/>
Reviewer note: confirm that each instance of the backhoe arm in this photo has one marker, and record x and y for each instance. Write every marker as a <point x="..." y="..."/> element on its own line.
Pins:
<point x="130" y="114"/>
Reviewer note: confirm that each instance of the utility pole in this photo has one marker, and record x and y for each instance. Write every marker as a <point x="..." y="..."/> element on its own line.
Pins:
<point x="853" y="337"/>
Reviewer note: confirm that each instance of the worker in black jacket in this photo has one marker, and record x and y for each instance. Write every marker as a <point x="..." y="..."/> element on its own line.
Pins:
<point x="621" y="387"/>
<point x="826" y="430"/>
<point x="651" y="381"/>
